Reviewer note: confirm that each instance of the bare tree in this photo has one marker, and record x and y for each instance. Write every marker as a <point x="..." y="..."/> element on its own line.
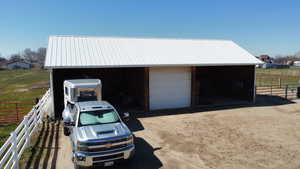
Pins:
<point x="2" y="59"/>
<point x="40" y="56"/>
<point x="288" y="59"/>
<point x="35" y="57"/>
<point x="15" y="57"/>
<point x="29" y="55"/>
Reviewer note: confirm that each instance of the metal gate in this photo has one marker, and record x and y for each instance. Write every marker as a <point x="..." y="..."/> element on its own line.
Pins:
<point x="289" y="91"/>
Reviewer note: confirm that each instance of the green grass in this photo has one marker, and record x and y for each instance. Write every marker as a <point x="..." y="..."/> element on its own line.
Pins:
<point x="5" y="131"/>
<point x="13" y="80"/>
<point x="20" y="86"/>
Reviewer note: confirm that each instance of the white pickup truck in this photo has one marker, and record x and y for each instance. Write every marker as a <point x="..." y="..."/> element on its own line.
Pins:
<point x="97" y="132"/>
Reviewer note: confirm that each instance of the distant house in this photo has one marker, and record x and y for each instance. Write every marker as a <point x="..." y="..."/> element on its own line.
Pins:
<point x="296" y="63"/>
<point x="290" y="62"/>
<point x="265" y="58"/>
<point x="18" y="65"/>
<point x="3" y="65"/>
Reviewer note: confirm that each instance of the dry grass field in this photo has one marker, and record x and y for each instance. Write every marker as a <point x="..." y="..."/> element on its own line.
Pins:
<point x="276" y="76"/>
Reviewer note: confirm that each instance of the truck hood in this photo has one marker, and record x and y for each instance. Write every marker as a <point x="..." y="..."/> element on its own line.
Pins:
<point x="102" y="132"/>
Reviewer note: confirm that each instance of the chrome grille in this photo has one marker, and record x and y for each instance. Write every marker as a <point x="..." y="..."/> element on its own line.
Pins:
<point x="106" y="142"/>
<point x="107" y="148"/>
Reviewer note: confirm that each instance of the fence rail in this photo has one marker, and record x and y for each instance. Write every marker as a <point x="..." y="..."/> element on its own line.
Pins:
<point x="12" y="150"/>
<point x="11" y="112"/>
<point x="288" y="91"/>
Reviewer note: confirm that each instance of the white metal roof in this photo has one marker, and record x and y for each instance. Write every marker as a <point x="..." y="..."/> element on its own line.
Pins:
<point x="97" y="52"/>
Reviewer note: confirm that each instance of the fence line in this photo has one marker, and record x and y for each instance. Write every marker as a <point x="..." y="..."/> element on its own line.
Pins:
<point x="12" y="150"/>
<point x="288" y="91"/>
<point x="13" y="111"/>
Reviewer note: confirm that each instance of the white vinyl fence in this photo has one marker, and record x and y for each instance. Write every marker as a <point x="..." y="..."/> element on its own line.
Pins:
<point x="19" y="140"/>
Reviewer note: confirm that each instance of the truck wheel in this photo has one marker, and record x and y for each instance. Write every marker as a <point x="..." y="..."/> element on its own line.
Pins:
<point x="77" y="166"/>
<point x="66" y="131"/>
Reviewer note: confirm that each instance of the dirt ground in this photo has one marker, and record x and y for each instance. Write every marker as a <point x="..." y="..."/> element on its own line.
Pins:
<point x="266" y="135"/>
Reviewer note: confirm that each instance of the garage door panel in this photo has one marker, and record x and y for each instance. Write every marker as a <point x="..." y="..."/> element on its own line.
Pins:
<point x="169" y="87"/>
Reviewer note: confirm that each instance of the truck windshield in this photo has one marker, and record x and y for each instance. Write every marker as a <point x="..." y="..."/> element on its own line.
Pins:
<point x="98" y="117"/>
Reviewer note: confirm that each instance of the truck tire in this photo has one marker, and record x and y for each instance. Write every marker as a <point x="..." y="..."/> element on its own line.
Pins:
<point x="66" y="131"/>
<point x="77" y="166"/>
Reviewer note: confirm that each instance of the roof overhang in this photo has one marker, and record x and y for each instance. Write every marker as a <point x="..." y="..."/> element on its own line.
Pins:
<point x="66" y="52"/>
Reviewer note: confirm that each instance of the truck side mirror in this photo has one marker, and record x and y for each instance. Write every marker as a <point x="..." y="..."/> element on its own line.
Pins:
<point x="68" y="121"/>
<point x="126" y="116"/>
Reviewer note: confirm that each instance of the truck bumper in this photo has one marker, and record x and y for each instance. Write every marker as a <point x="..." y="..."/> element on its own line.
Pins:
<point x="86" y="159"/>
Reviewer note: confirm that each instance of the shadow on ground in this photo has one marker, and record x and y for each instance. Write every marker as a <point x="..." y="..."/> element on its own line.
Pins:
<point x="143" y="159"/>
<point x="261" y="101"/>
<point x="46" y="141"/>
<point x="134" y="124"/>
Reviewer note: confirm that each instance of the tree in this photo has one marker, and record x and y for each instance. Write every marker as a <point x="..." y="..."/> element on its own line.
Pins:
<point x="2" y="59"/>
<point x="29" y="55"/>
<point x="15" y="57"/>
<point x="40" y="56"/>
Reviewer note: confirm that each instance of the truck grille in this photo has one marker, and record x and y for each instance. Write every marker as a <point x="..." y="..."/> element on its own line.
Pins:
<point x="106" y="142"/>
<point x="104" y="158"/>
<point x="107" y="148"/>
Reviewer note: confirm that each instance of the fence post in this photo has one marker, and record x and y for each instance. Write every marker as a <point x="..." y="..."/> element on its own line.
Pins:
<point x="279" y="82"/>
<point x="271" y="90"/>
<point x="14" y="150"/>
<point x="286" y="91"/>
<point x="27" y="142"/>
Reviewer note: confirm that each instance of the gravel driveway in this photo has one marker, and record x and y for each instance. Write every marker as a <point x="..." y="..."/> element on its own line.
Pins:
<point x="263" y="136"/>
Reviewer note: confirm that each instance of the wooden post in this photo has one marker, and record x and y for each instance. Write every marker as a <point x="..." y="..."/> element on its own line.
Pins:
<point x="286" y="91"/>
<point x="193" y="87"/>
<point x="146" y="89"/>
<point x="279" y="82"/>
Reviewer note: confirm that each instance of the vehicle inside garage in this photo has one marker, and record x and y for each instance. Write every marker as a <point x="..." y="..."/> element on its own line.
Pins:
<point x="220" y="85"/>
<point x="122" y="87"/>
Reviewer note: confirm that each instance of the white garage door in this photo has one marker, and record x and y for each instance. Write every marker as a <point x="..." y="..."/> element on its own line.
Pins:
<point x="169" y="87"/>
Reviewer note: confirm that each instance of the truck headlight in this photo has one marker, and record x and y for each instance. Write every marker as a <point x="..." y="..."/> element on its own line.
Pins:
<point x="130" y="140"/>
<point x="82" y="146"/>
<point x="80" y="158"/>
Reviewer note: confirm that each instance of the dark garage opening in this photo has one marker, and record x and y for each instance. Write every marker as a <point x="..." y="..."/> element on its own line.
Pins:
<point x="223" y="85"/>
<point x="122" y="87"/>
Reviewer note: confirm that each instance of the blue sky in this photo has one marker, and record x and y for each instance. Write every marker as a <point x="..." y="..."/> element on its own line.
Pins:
<point x="260" y="26"/>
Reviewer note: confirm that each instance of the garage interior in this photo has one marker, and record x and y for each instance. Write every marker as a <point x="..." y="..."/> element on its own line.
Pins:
<point x="122" y="87"/>
<point x="142" y="89"/>
<point x="223" y="85"/>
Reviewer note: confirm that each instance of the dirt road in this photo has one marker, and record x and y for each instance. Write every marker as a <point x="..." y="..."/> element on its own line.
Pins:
<point x="264" y="136"/>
